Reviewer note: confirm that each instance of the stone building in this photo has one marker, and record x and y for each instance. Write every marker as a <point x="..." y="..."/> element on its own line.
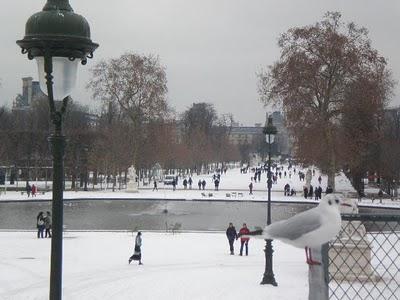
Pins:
<point x="245" y="134"/>
<point x="282" y="139"/>
<point x="30" y="91"/>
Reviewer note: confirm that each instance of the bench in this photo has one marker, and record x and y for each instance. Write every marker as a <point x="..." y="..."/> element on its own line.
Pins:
<point x="39" y="192"/>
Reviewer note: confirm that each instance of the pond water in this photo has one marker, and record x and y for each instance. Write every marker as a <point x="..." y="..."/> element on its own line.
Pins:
<point x="148" y="214"/>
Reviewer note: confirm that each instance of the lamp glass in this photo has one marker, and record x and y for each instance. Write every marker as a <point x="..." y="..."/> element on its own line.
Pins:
<point x="272" y="138"/>
<point x="64" y="76"/>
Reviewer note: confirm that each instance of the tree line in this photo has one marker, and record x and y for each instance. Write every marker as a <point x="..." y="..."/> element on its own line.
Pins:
<point x="135" y="126"/>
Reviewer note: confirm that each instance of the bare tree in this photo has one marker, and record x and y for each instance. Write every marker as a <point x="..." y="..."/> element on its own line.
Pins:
<point x="137" y="84"/>
<point x="318" y="67"/>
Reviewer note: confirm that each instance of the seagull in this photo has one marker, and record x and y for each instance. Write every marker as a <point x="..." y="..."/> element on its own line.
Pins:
<point x="309" y="229"/>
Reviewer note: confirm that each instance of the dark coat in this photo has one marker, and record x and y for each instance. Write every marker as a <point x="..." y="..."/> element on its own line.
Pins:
<point x="231" y="233"/>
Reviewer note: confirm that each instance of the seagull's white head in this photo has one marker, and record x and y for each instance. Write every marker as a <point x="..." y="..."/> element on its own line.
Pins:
<point x="332" y="201"/>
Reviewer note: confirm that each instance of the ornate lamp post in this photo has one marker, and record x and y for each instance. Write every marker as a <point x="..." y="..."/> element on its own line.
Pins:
<point x="58" y="39"/>
<point x="269" y="278"/>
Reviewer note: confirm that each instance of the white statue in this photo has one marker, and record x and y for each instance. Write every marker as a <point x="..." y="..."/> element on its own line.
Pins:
<point x="131" y="186"/>
<point x="132" y="173"/>
<point x="308" y="178"/>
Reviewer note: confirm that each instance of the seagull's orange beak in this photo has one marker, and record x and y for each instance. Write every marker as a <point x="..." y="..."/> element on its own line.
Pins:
<point x="345" y="204"/>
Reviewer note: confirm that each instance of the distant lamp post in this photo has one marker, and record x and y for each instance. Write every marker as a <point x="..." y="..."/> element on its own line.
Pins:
<point x="270" y="131"/>
<point x="58" y="39"/>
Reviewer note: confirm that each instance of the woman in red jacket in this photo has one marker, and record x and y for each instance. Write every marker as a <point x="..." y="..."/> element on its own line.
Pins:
<point x="244" y="240"/>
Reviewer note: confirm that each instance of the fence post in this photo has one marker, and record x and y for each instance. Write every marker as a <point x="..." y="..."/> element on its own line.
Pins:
<point x="318" y="275"/>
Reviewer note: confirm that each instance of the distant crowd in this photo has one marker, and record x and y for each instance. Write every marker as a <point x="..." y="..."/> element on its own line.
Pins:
<point x="187" y="182"/>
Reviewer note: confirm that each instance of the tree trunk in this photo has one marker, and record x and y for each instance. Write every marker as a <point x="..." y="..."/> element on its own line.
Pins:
<point x="73" y="179"/>
<point x="331" y="159"/>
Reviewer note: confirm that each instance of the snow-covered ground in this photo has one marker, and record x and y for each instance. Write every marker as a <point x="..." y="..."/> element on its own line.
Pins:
<point x="232" y="182"/>
<point x="179" y="266"/>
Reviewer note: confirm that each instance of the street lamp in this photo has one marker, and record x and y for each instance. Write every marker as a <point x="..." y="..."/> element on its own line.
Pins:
<point x="58" y="39"/>
<point x="269" y="278"/>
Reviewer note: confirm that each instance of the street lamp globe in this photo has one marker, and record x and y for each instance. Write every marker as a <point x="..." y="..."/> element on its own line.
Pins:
<point x="270" y="131"/>
<point x="64" y="73"/>
<point x="58" y="39"/>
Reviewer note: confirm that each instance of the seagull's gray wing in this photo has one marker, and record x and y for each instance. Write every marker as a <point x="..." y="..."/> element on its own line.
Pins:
<point x="296" y="226"/>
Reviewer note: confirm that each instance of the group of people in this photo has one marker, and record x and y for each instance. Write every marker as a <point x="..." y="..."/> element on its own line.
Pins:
<point x="313" y="193"/>
<point x="43" y="224"/>
<point x="287" y="191"/>
<point x="232" y="235"/>
<point x="31" y="190"/>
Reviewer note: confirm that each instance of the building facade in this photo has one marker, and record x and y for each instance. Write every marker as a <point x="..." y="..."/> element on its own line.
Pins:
<point x="30" y="91"/>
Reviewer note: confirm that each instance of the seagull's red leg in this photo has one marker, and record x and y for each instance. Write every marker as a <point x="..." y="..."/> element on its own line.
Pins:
<point x="307" y="259"/>
<point x="310" y="261"/>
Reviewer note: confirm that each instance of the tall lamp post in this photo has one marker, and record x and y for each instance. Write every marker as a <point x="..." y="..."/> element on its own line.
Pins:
<point x="269" y="278"/>
<point x="58" y="39"/>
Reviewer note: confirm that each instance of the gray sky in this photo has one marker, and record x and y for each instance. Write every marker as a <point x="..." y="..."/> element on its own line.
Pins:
<point x="212" y="49"/>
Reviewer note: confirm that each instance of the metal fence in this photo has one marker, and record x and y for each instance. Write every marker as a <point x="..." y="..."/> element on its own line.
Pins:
<point x="364" y="260"/>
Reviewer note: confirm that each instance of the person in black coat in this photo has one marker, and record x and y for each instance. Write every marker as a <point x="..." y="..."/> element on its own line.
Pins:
<point x="216" y="184"/>
<point x="231" y="234"/>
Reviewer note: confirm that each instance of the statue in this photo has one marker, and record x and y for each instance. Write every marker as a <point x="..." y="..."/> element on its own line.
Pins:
<point x="308" y="178"/>
<point x="131" y="185"/>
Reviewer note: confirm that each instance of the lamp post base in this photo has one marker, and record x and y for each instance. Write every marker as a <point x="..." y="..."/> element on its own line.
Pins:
<point x="268" y="277"/>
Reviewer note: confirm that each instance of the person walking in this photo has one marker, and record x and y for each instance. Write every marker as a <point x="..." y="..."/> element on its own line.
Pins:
<point x="40" y="224"/>
<point x="251" y="188"/>
<point x="190" y="181"/>
<point x="137" y="254"/>
<point x="231" y="235"/>
<point x="203" y="184"/>
<point x="286" y="189"/>
<point x="155" y="185"/>
<point x="199" y="184"/>
<point x="33" y="190"/>
<point x="28" y="189"/>
<point x="47" y="225"/>
<point x="244" y="241"/>
<point x="311" y="191"/>
<point x="173" y="184"/>
<point x="319" y="192"/>
<point x="185" y="183"/>
<point x="216" y="184"/>
<point x="305" y="191"/>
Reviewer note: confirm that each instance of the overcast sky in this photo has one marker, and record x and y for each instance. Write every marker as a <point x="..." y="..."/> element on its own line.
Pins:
<point x="212" y="49"/>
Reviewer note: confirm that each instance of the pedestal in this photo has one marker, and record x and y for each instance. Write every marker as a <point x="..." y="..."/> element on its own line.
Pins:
<point x="351" y="255"/>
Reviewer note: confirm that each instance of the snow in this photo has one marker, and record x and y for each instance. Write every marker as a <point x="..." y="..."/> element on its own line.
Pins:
<point x="176" y="266"/>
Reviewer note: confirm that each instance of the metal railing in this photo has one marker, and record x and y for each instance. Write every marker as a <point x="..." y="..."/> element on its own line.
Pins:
<point x="364" y="260"/>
